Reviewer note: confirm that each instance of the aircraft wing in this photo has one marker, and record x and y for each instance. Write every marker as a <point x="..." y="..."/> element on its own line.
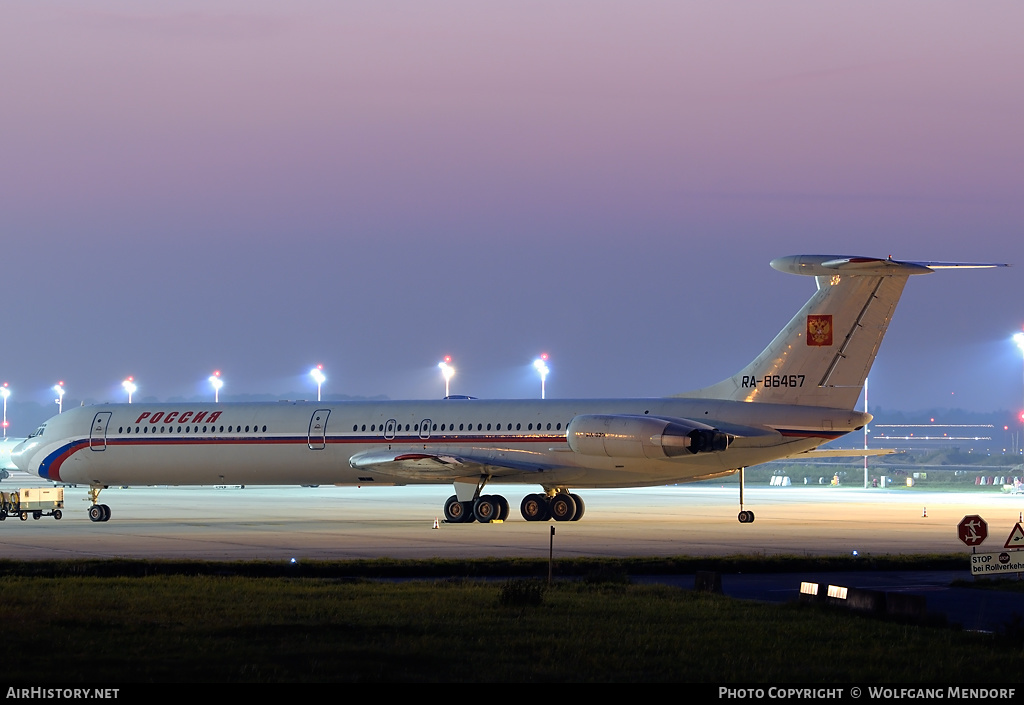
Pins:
<point x="442" y="466"/>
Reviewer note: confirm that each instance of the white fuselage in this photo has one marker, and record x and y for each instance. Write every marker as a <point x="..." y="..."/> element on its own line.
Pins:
<point x="298" y="443"/>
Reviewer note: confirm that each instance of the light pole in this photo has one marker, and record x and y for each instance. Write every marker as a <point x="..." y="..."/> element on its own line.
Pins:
<point x="541" y="365"/>
<point x="317" y="373"/>
<point x="59" y="388"/>
<point x="5" y="392"/>
<point x="1019" y="339"/>
<point x="216" y="382"/>
<point x="865" y="434"/>
<point x="129" y="386"/>
<point x="447" y="371"/>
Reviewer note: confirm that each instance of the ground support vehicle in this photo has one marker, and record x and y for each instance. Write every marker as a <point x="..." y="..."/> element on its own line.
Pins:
<point x="36" y="502"/>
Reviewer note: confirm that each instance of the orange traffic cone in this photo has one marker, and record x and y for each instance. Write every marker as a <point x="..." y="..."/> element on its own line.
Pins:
<point x="924" y="511"/>
<point x="436" y="525"/>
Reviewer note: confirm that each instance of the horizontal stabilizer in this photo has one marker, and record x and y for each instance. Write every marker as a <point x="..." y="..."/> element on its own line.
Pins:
<point x="827" y="265"/>
<point x="845" y="452"/>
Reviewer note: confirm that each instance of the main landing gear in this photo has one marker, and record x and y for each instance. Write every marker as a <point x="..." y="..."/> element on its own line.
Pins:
<point x="97" y="512"/>
<point x="559" y="505"/>
<point x="745" y="516"/>
<point x="484" y="509"/>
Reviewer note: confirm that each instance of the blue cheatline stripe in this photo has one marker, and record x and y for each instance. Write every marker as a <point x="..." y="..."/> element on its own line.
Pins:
<point x="49" y="468"/>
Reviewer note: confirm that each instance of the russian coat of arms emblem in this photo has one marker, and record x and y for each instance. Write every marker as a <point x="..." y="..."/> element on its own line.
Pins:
<point x="819" y="329"/>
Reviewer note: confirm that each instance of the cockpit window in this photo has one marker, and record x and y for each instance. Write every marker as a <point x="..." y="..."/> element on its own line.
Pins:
<point x="38" y="431"/>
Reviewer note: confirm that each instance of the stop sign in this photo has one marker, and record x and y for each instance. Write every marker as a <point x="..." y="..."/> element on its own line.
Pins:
<point x="972" y="530"/>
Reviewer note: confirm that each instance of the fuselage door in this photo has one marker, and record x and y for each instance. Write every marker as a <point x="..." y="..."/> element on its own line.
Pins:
<point x="389" y="429"/>
<point x="318" y="429"/>
<point x="425" y="429"/>
<point x="98" y="433"/>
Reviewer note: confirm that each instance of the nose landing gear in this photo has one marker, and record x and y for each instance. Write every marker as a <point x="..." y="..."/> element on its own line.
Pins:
<point x="97" y="512"/>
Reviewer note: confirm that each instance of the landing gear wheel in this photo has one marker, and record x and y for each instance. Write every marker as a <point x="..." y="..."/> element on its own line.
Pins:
<point x="57" y="514"/>
<point x="503" y="508"/>
<point x="746" y="517"/>
<point x="24" y="516"/>
<point x="106" y="513"/>
<point x="486" y="509"/>
<point x="456" y="512"/>
<point x="535" y="508"/>
<point x="37" y="515"/>
<point x="96" y="512"/>
<point x="563" y="508"/>
<point x="580" y="507"/>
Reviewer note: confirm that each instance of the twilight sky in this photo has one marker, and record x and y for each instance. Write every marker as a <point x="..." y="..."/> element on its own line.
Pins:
<point x="262" y="186"/>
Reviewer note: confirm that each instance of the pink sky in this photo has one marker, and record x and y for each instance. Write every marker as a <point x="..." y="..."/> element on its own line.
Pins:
<point x="261" y="186"/>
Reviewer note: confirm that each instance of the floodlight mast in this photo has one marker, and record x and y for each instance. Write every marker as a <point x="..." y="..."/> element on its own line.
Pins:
<point x="540" y="364"/>
<point x="5" y="392"/>
<point x="129" y="386"/>
<point x="1018" y="338"/>
<point x="447" y="371"/>
<point x="317" y="373"/>
<point x="216" y="382"/>
<point x="59" y="388"/>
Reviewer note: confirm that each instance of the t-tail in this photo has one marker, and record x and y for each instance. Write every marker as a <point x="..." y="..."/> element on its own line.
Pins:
<point x="823" y="355"/>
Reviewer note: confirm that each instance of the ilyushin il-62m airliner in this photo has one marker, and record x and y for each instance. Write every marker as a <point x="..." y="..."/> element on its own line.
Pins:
<point x="799" y="393"/>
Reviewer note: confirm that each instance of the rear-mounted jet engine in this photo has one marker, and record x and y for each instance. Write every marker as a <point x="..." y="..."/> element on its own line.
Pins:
<point x="623" y="436"/>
